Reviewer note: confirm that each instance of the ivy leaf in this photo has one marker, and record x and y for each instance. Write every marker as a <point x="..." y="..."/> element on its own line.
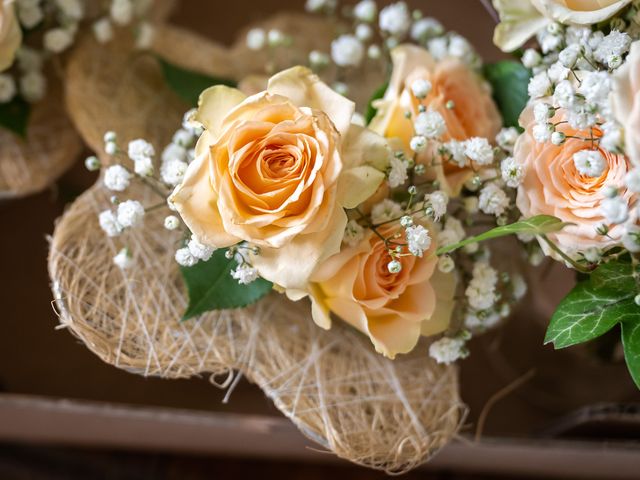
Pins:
<point x="588" y="312"/>
<point x="14" y="116"/>
<point x="631" y="346"/>
<point x="211" y="287"/>
<point x="510" y="81"/>
<point x="614" y="275"/>
<point x="188" y="84"/>
<point x="538" y="225"/>
<point x="371" y="110"/>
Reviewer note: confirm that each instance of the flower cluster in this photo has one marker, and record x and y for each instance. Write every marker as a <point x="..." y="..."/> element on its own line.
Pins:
<point x="33" y="32"/>
<point x="298" y="191"/>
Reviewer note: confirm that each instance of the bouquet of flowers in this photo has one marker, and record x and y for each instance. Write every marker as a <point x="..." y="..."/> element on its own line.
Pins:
<point x="310" y="211"/>
<point x="578" y="157"/>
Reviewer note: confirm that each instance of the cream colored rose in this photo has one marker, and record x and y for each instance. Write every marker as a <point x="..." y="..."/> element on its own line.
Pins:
<point x="10" y="34"/>
<point x="552" y="185"/>
<point x="474" y="113"/>
<point x="626" y="101"/>
<point x="394" y="310"/>
<point x="521" y="19"/>
<point x="277" y="169"/>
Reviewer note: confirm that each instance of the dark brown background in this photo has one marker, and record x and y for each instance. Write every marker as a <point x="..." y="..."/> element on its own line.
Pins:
<point x="37" y="359"/>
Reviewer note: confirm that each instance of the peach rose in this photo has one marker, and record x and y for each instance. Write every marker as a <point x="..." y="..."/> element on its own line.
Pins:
<point x="474" y="113"/>
<point x="522" y="19"/>
<point x="277" y="170"/>
<point x="394" y="310"/>
<point x="10" y="34"/>
<point x="552" y="185"/>
<point x="626" y="101"/>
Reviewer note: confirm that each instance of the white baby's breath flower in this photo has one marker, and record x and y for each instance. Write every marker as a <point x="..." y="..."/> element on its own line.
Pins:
<point x="71" y="8"/>
<point x="121" y="12"/>
<point x="430" y="124"/>
<point x="631" y="238"/>
<point x="589" y="162"/>
<point x="395" y="20"/>
<point x="123" y="259"/>
<point x="542" y="112"/>
<point x="460" y="47"/>
<point x="57" y="40"/>
<point x="171" y="222"/>
<point x="172" y="152"/>
<point x="33" y="86"/>
<point x="512" y="172"/>
<point x="353" y="233"/>
<point x="611" y="140"/>
<point x="479" y="150"/>
<point x="480" y="292"/>
<point x="8" y="88"/>
<point x="539" y="85"/>
<point x="109" y="223"/>
<point x="30" y="15"/>
<point x="438" y="47"/>
<point x="418" y="239"/>
<point x="493" y="200"/>
<point x="453" y="232"/>
<point x="438" y="202"/>
<point x="448" y="350"/>
<point x="564" y="95"/>
<point x="557" y="72"/>
<point x="117" y="178"/>
<point x="374" y="52"/>
<point x="446" y="264"/>
<point x="613" y="45"/>
<point x="457" y="151"/>
<point x="364" y="32"/>
<point x="92" y="163"/>
<point x="347" y="51"/>
<point x="184" y="258"/>
<point x="542" y="132"/>
<point x="256" y="39"/>
<point x="632" y="180"/>
<point x="29" y="59"/>
<point x="144" y="36"/>
<point x="139" y="149"/>
<point x="199" y="250"/>
<point x="172" y="172"/>
<point x="365" y="11"/>
<point x="531" y="58"/>
<point x="397" y="172"/>
<point x="595" y="86"/>
<point x="245" y="274"/>
<point x="421" y="88"/>
<point x="103" y="30"/>
<point x="385" y="211"/>
<point x="418" y="143"/>
<point x="506" y="138"/>
<point x="615" y="209"/>
<point x="569" y="56"/>
<point x="426" y="28"/>
<point x="130" y="213"/>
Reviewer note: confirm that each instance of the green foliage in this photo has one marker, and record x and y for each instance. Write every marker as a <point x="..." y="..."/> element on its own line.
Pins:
<point x="510" y="81"/>
<point x="211" y="287"/>
<point x="538" y="225"/>
<point x="188" y="84"/>
<point x="14" y="116"/>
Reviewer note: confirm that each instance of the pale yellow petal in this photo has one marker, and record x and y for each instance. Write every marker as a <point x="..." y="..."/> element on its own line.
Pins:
<point x="445" y="285"/>
<point x="305" y="89"/>
<point x="10" y="35"/>
<point x="580" y="12"/>
<point x="214" y="105"/>
<point x="363" y="146"/>
<point x="519" y="21"/>
<point x="358" y="184"/>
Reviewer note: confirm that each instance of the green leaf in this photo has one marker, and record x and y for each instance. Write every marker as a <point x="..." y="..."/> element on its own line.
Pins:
<point x="588" y="312"/>
<point x="371" y="110"/>
<point x="211" y="286"/>
<point x="510" y="81"/>
<point x="614" y="275"/>
<point x="631" y="346"/>
<point x="538" y="225"/>
<point x="188" y="84"/>
<point x="14" y="116"/>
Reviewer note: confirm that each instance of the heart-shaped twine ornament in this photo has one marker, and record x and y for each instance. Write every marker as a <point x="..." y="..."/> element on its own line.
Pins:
<point x="388" y="415"/>
<point x="29" y="165"/>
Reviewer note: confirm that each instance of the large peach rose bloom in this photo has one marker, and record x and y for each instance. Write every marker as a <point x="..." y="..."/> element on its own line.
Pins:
<point x="522" y="19"/>
<point x="394" y="310"/>
<point x="474" y="113"/>
<point x="552" y="185"/>
<point x="278" y="169"/>
<point x="10" y="34"/>
<point x="626" y="101"/>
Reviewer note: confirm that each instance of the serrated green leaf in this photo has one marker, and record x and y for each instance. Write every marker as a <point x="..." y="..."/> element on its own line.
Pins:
<point x="188" y="84"/>
<point x="371" y="110"/>
<point x="510" y="81"/>
<point x="211" y="287"/>
<point x="538" y="225"/>
<point x="631" y="346"/>
<point x="14" y="116"/>
<point x="614" y="275"/>
<point x="588" y="312"/>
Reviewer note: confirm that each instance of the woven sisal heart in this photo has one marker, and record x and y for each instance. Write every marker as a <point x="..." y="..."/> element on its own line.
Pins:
<point x="389" y="415"/>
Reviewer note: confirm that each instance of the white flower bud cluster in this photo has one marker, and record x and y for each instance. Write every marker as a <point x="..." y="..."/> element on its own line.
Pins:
<point x="448" y="350"/>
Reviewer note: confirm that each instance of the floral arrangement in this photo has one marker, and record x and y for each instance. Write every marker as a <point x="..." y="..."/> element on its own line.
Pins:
<point x="366" y="214"/>
<point x="578" y="156"/>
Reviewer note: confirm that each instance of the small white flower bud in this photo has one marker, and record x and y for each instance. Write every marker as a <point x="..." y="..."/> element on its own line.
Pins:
<point x="558" y="138"/>
<point x="421" y="88"/>
<point x="92" y="163"/>
<point x="446" y="264"/>
<point x="418" y="143"/>
<point x="171" y="222"/>
<point x="394" y="266"/>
